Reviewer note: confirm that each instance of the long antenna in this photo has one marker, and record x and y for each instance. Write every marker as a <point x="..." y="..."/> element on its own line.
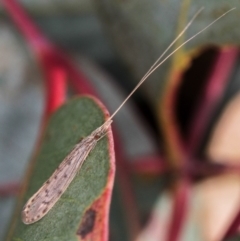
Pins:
<point x="175" y="40"/>
<point x="156" y="64"/>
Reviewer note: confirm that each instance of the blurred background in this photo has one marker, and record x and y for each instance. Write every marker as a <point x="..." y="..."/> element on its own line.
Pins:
<point x="179" y="132"/>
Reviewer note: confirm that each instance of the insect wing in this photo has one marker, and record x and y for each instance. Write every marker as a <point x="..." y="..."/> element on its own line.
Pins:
<point x="44" y="199"/>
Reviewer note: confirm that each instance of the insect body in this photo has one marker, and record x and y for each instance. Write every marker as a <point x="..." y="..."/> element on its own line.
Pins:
<point x="45" y="198"/>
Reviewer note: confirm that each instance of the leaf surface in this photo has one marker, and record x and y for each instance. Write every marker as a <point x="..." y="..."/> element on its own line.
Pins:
<point x="82" y="211"/>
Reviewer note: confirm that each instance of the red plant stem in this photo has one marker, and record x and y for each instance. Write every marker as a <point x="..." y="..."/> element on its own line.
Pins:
<point x="155" y="165"/>
<point x="213" y="92"/>
<point x="25" y="25"/>
<point x="151" y="165"/>
<point x="179" y="211"/>
<point x="55" y="82"/>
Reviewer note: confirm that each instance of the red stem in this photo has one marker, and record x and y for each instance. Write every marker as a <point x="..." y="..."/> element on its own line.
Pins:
<point x="150" y="165"/>
<point x="25" y="25"/>
<point x="55" y="82"/>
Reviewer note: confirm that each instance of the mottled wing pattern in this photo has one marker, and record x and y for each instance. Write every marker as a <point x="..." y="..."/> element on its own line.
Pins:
<point x="44" y="199"/>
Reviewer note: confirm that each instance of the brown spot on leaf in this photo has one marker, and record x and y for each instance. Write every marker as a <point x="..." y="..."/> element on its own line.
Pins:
<point x="87" y="224"/>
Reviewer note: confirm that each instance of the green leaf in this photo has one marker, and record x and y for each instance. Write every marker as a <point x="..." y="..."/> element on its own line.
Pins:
<point x="79" y="205"/>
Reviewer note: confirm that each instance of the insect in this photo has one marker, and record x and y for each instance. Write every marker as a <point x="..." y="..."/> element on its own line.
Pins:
<point x="45" y="198"/>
